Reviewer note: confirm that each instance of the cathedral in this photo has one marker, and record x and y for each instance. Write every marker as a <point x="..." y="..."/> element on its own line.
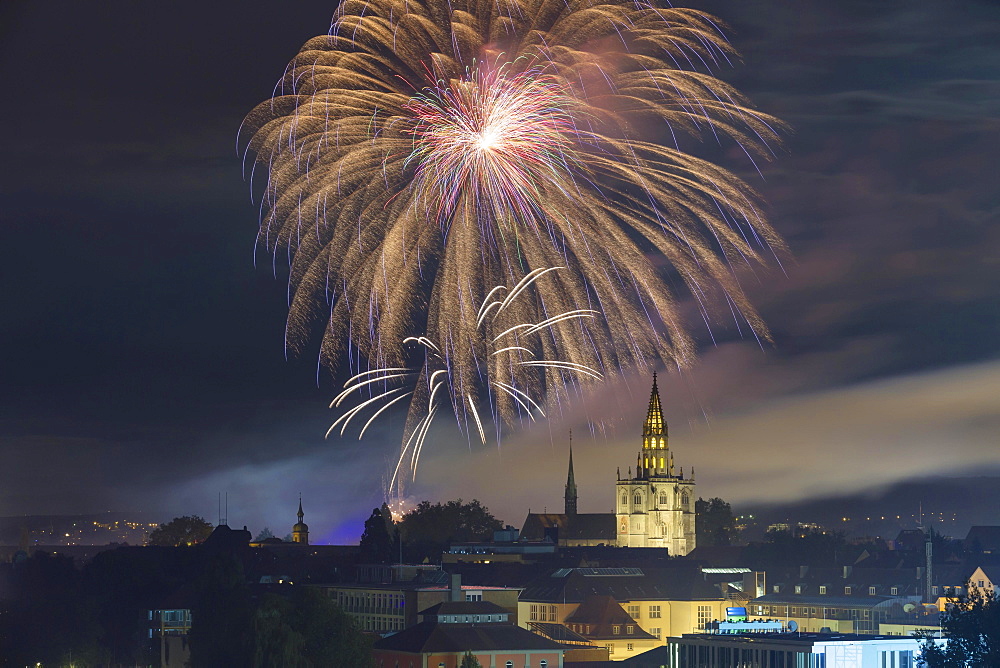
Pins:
<point x="655" y="508"/>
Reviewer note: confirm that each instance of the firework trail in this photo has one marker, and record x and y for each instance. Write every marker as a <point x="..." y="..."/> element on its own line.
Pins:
<point x="426" y="151"/>
<point x="430" y="385"/>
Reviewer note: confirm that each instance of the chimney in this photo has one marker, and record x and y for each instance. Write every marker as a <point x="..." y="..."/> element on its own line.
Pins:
<point x="456" y="588"/>
<point x="847" y="571"/>
<point x="802" y="572"/>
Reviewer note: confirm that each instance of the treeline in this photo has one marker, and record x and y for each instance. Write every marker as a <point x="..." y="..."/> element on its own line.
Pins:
<point x="55" y="614"/>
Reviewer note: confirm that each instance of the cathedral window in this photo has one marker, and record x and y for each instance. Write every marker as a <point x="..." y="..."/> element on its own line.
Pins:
<point x="638" y="499"/>
<point x="624" y="499"/>
<point x="663" y="498"/>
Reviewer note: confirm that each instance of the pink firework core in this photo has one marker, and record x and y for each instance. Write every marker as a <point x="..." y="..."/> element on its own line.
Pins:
<point x="501" y="140"/>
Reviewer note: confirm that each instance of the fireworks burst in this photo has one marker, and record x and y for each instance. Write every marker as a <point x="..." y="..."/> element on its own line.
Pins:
<point x="425" y="151"/>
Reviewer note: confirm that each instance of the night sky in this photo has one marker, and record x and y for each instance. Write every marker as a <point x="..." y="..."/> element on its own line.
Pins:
<point x="142" y="364"/>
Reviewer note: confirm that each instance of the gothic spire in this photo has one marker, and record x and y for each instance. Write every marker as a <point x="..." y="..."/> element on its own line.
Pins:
<point x="655" y="424"/>
<point x="570" y="482"/>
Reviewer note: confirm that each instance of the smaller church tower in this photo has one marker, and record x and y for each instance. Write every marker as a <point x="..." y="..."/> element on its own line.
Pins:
<point x="300" y="532"/>
<point x="570" y="482"/>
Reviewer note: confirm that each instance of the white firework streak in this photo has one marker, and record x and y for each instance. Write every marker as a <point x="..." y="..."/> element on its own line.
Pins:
<point x="393" y="384"/>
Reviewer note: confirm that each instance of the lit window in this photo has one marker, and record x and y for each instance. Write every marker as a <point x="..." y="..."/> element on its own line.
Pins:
<point x="822" y="589"/>
<point x="630" y="629"/>
<point x="894" y="591"/>
<point x="543" y="664"/>
<point x="628" y="647"/>
<point x="633" y="611"/>
<point x="655" y="632"/>
<point x="616" y="630"/>
<point x="798" y="589"/>
<point x="654" y="611"/>
<point x="871" y="591"/>
<point x="847" y="591"/>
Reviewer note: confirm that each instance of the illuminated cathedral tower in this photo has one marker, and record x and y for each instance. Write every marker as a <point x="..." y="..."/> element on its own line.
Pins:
<point x="655" y="508"/>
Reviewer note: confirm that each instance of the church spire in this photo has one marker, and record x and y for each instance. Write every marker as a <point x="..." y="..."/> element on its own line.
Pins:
<point x="655" y="456"/>
<point x="570" y="482"/>
<point x="300" y="532"/>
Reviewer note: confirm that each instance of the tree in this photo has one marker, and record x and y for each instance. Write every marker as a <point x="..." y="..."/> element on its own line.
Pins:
<point x="376" y="542"/>
<point x="264" y="534"/>
<point x="427" y="530"/>
<point x="971" y="626"/>
<point x="714" y="522"/>
<point x="187" y="530"/>
<point x="470" y="661"/>
<point x="307" y="630"/>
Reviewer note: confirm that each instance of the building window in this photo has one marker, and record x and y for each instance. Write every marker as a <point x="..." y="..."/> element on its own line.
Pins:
<point x="934" y="590"/>
<point x="510" y="664"/>
<point x="982" y="583"/>
<point x="704" y="616"/>
<point x="663" y="498"/>
<point x="655" y="632"/>
<point x="894" y="591"/>
<point x="871" y="591"/>
<point x="552" y="613"/>
<point x="654" y="612"/>
<point x="615" y="630"/>
<point x="533" y="615"/>
<point x="611" y="647"/>
<point x="638" y="499"/>
<point x="776" y="589"/>
<point x="624" y="499"/>
<point x="629" y="630"/>
<point x="543" y="664"/>
<point x="628" y="647"/>
<point x="822" y="589"/>
<point x="847" y="591"/>
<point x="633" y="612"/>
<point x="798" y="589"/>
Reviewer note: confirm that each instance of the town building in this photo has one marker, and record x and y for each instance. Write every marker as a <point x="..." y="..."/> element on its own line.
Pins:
<point x="451" y="628"/>
<point x="660" y="601"/>
<point x="393" y="606"/>
<point x="792" y="650"/>
<point x="865" y="601"/>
